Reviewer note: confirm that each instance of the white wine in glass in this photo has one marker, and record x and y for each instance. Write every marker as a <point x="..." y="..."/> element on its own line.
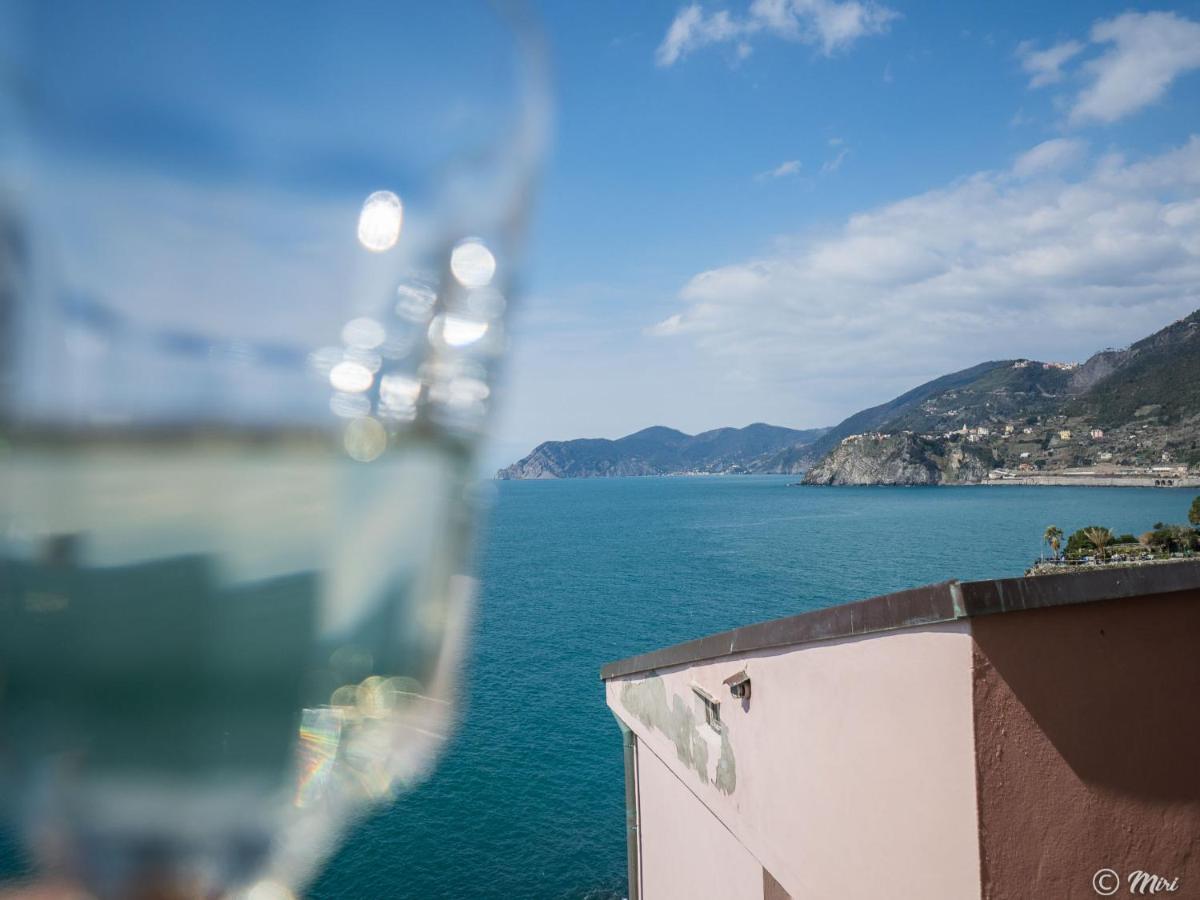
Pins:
<point x="255" y="263"/>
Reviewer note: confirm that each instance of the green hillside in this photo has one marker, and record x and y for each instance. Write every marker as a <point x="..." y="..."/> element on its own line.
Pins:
<point x="1015" y="389"/>
<point x="1159" y="380"/>
<point x="1136" y="409"/>
<point x="876" y="417"/>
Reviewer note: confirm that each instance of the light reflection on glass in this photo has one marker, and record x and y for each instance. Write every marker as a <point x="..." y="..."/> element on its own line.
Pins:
<point x="379" y="222"/>
<point x="365" y="439"/>
<point x="415" y="300"/>
<point x="464" y="393"/>
<point x="458" y="331"/>
<point x="349" y="406"/>
<point x="320" y="733"/>
<point x="363" y="333"/>
<point x="371" y="360"/>
<point x="350" y="377"/>
<point x="486" y="303"/>
<point x="269" y="890"/>
<point x="324" y="359"/>
<point x="400" y="343"/>
<point x="398" y="396"/>
<point x="472" y="263"/>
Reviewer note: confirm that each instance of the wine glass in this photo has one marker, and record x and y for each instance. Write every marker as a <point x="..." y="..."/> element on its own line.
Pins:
<point x="255" y="261"/>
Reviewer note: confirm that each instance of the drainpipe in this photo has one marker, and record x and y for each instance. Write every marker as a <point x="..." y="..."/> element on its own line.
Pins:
<point x="633" y="844"/>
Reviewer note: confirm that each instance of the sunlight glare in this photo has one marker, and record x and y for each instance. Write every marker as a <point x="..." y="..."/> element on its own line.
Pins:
<point x="351" y="377"/>
<point x="458" y="331"/>
<point x="364" y="333"/>
<point x="379" y="222"/>
<point x="472" y="263"/>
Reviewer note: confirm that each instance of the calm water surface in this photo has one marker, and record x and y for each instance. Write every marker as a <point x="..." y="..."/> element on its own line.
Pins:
<point x="528" y="801"/>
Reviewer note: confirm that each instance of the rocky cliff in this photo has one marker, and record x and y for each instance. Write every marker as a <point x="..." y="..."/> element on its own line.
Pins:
<point x="899" y="459"/>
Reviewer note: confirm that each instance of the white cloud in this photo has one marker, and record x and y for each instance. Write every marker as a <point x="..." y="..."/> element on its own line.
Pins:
<point x="1144" y="53"/>
<point x="990" y="266"/>
<point x="831" y="25"/>
<point x="1049" y="156"/>
<point x="692" y="29"/>
<point x="783" y="170"/>
<point x="1045" y="66"/>
<point x="1148" y="52"/>
<point x="669" y="325"/>
<point x="832" y="165"/>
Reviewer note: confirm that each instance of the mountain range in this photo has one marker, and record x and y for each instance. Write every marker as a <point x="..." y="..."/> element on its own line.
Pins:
<point x="1136" y="406"/>
<point x="664" y="451"/>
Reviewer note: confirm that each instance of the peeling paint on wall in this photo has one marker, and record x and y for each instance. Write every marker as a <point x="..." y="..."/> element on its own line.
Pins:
<point x="726" y="779"/>
<point x="647" y="701"/>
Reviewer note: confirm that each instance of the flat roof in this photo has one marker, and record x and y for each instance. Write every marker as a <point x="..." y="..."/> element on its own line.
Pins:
<point x="947" y="601"/>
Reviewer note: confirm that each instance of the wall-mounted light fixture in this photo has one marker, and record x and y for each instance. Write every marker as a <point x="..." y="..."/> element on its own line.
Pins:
<point x="739" y="685"/>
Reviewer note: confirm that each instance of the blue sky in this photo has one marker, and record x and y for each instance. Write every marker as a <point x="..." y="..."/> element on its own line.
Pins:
<point x="193" y="176"/>
<point x="786" y="211"/>
<point x="751" y="210"/>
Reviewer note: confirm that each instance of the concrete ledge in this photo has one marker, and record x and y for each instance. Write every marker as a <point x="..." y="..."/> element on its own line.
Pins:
<point x="943" y="602"/>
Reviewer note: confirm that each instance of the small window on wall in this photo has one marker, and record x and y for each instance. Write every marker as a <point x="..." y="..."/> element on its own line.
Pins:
<point x="712" y="708"/>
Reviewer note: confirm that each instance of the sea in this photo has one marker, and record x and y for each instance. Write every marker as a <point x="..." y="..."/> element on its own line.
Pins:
<point x="528" y="799"/>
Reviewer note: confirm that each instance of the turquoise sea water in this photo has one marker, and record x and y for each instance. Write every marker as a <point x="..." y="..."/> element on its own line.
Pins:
<point x="528" y="801"/>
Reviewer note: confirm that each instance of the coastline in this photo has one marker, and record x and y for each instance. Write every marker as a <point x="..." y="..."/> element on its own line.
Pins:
<point x="1048" y="480"/>
<point x="1174" y="481"/>
<point x="1191" y="482"/>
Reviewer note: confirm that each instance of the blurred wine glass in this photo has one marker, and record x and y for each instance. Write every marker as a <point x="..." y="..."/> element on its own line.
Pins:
<point x="255" y="261"/>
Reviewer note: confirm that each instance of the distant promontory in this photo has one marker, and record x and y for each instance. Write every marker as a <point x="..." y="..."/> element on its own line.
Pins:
<point x="757" y="448"/>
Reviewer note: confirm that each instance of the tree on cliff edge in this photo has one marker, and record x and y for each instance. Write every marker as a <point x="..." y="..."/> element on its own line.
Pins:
<point x="1053" y="537"/>
<point x="1100" y="539"/>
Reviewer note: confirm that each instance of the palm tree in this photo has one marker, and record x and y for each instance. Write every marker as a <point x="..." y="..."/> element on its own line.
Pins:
<point x="1053" y="537"/>
<point x="1099" y="537"/>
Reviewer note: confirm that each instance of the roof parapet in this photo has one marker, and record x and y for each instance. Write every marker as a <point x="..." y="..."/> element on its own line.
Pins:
<point x="947" y="601"/>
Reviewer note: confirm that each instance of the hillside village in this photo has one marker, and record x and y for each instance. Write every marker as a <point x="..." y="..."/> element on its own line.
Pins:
<point x="1128" y="416"/>
<point x="1048" y="443"/>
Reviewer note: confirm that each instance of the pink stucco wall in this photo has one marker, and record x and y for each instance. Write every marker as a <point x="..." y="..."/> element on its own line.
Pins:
<point x="692" y="854"/>
<point x="851" y="773"/>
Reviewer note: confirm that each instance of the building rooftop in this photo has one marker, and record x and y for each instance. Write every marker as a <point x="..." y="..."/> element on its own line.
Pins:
<point x="947" y="601"/>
